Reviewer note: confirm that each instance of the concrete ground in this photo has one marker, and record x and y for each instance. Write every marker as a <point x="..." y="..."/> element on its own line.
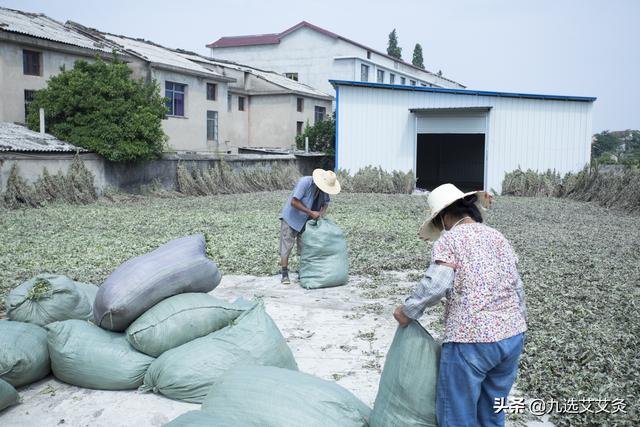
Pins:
<point x="339" y="333"/>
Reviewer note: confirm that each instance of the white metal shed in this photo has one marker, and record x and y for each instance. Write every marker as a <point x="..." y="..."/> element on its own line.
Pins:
<point x="468" y="137"/>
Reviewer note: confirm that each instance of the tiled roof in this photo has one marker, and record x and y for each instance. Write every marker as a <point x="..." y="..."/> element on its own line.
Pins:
<point x="157" y="54"/>
<point x="18" y="138"/>
<point x="270" y="76"/>
<point x="43" y="27"/>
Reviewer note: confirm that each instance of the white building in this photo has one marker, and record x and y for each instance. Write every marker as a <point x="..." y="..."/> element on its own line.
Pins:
<point x="33" y="47"/>
<point x="467" y="137"/>
<point x="214" y="106"/>
<point x="313" y="55"/>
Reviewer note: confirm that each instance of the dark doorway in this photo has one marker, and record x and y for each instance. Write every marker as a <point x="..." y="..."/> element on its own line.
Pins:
<point x="457" y="158"/>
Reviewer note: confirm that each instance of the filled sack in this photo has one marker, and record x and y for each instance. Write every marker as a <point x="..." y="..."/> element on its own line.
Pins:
<point x="267" y="396"/>
<point x="202" y="419"/>
<point x="24" y="357"/>
<point x="137" y="285"/>
<point x="187" y="372"/>
<point x="8" y="395"/>
<point x="407" y="391"/>
<point x="86" y="355"/>
<point x="323" y="260"/>
<point x="180" y="319"/>
<point x="49" y="298"/>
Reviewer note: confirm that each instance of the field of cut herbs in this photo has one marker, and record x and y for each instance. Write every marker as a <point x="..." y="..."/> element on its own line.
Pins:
<point x="580" y="264"/>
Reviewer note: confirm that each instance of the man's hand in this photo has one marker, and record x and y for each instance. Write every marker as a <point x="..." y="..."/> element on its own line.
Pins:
<point x="403" y="319"/>
<point x="314" y="214"/>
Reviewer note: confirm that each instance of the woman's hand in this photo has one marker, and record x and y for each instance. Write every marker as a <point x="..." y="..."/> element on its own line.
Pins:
<point x="403" y="319"/>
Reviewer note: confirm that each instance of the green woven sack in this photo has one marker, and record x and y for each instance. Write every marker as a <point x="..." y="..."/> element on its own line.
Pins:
<point x="324" y="261"/>
<point x="202" y="419"/>
<point x="268" y="396"/>
<point x="49" y="298"/>
<point x="407" y="391"/>
<point x="187" y="372"/>
<point x="24" y="357"/>
<point x="8" y="395"/>
<point x="86" y="355"/>
<point x="180" y="319"/>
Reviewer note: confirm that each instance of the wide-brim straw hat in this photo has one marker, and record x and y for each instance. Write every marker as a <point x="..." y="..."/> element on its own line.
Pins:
<point x="442" y="197"/>
<point x="326" y="181"/>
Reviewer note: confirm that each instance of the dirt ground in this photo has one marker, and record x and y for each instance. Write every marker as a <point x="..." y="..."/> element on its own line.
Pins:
<point x="339" y="333"/>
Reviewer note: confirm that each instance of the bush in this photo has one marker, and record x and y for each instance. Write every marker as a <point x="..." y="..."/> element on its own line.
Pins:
<point x="99" y="107"/>
<point x="322" y="138"/>
<point x="590" y="184"/>
<point x="76" y="187"/>
<point x="222" y="179"/>
<point x="376" y="180"/>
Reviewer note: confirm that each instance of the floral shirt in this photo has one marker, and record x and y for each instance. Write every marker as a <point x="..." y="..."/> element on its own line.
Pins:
<point x="484" y="305"/>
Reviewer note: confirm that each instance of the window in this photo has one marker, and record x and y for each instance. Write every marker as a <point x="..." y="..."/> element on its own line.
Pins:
<point x="241" y="103"/>
<point x="212" y="125"/>
<point x="423" y="84"/>
<point x="292" y="76"/>
<point x="364" y="73"/>
<point x="174" y="92"/>
<point x="299" y="127"/>
<point x="368" y="54"/>
<point x="320" y="113"/>
<point x="28" y="97"/>
<point x="403" y="81"/>
<point x="380" y="76"/>
<point x="211" y="91"/>
<point x="32" y="63"/>
<point x="392" y="78"/>
<point x="229" y="100"/>
<point x="413" y="82"/>
<point x="300" y="105"/>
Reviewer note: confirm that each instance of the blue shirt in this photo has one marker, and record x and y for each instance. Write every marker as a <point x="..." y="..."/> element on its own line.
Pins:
<point x="304" y="191"/>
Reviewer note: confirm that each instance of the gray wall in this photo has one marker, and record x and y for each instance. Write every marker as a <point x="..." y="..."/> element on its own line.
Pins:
<point x="130" y="177"/>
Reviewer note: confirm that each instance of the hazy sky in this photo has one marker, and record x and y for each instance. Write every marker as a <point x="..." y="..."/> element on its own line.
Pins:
<point x="567" y="47"/>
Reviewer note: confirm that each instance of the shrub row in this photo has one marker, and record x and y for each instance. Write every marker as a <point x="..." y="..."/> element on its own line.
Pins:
<point x="75" y="187"/>
<point x="376" y="180"/>
<point x="620" y="190"/>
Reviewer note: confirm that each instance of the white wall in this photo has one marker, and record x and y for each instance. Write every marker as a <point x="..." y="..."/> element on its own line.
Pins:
<point x="189" y="133"/>
<point x="376" y="128"/>
<point x="312" y="55"/>
<point x="273" y="119"/>
<point x="13" y="82"/>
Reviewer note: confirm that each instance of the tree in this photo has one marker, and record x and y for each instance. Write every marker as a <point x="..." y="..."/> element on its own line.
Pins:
<point x="393" y="49"/>
<point x="418" y="61"/>
<point x="99" y="107"/>
<point x="322" y="138"/>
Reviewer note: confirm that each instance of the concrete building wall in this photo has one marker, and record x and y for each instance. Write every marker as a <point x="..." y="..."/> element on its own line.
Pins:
<point x="317" y="58"/>
<point x="273" y="119"/>
<point x="189" y="133"/>
<point x="13" y="81"/>
<point x="375" y="127"/>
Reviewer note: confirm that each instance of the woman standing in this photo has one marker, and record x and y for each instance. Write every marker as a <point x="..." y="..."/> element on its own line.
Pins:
<point x="474" y="267"/>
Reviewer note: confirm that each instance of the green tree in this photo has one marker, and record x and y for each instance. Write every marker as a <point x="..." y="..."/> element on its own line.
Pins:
<point x="322" y="138"/>
<point x="393" y="49"/>
<point x="98" y="106"/>
<point x="418" y="61"/>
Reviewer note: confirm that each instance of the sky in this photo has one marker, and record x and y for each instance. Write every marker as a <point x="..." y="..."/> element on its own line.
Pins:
<point x="565" y="47"/>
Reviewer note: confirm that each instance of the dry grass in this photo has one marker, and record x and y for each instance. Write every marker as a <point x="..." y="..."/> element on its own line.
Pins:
<point x="74" y="187"/>
<point x="590" y="184"/>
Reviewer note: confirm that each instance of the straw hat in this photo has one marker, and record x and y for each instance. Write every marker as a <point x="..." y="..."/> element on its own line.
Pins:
<point x="326" y="181"/>
<point x="442" y="197"/>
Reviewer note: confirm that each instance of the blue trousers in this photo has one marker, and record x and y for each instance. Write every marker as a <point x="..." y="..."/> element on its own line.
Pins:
<point x="471" y="376"/>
